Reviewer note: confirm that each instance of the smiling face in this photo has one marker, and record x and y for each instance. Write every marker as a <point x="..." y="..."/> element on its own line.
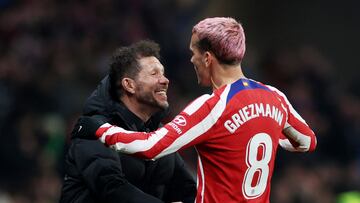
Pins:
<point x="151" y="83"/>
<point x="198" y="60"/>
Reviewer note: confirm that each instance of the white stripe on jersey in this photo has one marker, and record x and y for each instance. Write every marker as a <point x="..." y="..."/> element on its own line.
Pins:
<point x="140" y="145"/>
<point x="200" y="128"/>
<point x="203" y="179"/>
<point x="303" y="140"/>
<point x="110" y="131"/>
<point x="201" y="175"/>
<point x="197" y="103"/>
<point x="285" y="144"/>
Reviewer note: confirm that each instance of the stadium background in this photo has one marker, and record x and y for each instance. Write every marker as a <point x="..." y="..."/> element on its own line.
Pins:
<point x="53" y="54"/>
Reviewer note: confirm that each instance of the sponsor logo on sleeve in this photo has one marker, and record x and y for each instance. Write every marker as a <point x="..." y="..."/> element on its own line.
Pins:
<point x="180" y="120"/>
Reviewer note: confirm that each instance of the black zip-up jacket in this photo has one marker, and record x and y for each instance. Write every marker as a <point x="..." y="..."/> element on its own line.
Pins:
<point x="95" y="173"/>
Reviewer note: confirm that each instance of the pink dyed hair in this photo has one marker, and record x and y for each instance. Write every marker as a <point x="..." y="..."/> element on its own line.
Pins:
<point x="223" y="36"/>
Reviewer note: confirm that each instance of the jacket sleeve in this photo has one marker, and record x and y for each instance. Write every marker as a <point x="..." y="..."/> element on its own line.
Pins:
<point x="182" y="186"/>
<point x="100" y="168"/>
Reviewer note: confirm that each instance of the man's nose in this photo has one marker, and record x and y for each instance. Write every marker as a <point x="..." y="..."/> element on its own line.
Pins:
<point x="164" y="80"/>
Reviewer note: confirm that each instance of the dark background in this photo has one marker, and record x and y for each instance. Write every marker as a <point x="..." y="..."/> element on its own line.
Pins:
<point x="53" y="54"/>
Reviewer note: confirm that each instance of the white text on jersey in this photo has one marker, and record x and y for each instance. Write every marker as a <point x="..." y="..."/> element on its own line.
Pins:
<point x="252" y="111"/>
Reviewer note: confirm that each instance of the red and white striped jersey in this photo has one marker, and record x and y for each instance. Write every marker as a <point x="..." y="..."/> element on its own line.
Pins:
<point x="236" y="132"/>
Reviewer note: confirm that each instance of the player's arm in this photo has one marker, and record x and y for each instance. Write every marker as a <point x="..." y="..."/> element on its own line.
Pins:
<point x="188" y="128"/>
<point x="298" y="135"/>
<point x="295" y="141"/>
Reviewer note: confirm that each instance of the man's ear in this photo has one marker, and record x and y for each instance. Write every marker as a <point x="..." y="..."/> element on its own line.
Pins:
<point x="208" y="58"/>
<point x="128" y="84"/>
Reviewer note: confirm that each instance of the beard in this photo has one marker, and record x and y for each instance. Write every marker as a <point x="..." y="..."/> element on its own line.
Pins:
<point x="148" y="98"/>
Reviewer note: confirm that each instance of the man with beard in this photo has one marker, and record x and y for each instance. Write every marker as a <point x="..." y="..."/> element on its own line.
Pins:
<point x="132" y="96"/>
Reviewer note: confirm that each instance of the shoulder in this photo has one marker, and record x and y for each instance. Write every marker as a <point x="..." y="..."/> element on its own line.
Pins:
<point x="207" y="100"/>
<point x="90" y="149"/>
<point x="279" y="94"/>
<point x="197" y="103"/>
<point x="275" y="90"/>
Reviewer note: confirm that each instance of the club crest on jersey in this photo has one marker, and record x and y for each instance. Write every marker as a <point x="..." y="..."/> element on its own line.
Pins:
<point x="180" y="120"/>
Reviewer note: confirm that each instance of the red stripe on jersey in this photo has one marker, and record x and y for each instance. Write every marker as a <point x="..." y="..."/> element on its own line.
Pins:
<point x="99" y="132"/>
<point x="121" y="137"/>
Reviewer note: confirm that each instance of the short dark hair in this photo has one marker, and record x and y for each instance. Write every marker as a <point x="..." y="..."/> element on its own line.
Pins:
<point x="124" y="62"/>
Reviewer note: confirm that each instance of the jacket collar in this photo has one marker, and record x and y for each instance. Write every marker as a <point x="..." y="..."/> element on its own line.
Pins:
<point x="132" y="120"/>
<point x="121" y="114"/>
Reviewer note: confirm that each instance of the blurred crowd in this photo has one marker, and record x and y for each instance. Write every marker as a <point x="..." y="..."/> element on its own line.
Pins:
<point x="53" y="54"/>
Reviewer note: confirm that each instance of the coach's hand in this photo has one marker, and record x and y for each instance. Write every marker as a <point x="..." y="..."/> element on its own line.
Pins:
<point x="86" y="127"/>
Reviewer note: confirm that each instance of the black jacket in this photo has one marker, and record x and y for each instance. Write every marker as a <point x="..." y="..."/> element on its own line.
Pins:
<point x="95" y="173"/>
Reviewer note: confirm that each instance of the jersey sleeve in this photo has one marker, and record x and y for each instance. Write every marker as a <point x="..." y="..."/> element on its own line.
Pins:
<point x="188" y="128"/>
<point x="297" y="135"/>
